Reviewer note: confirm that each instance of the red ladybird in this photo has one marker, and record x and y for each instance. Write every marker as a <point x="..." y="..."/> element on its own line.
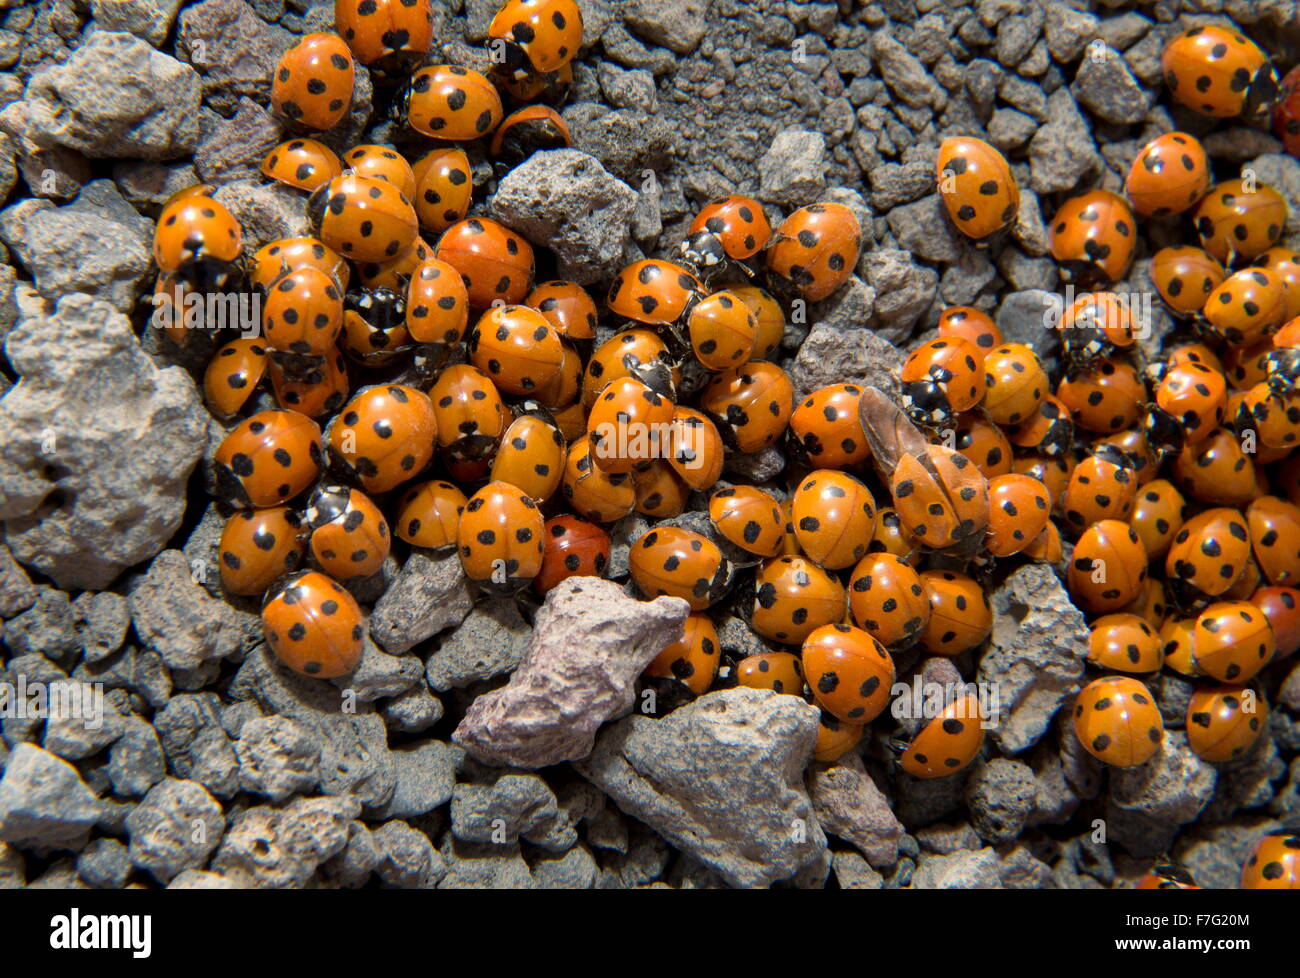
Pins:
<point x="573" y="547"/>
<point x="537" y="37"/>
<point x="453" y="103"/>
<point x="496" y="263"/>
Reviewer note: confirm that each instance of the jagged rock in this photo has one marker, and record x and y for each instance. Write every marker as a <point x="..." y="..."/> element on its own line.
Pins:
<point x="1147" y="805"/>
<point x="590" y="643"/>
<point x="430" y="593"/>
<point x="44" y="804"/>
<point x="100" y="444"/>
<point x="281" y="848"/>
<point x="849" y="805"/>
<point x="721" y="779"/>
<point x="490" y="642"/>
<point x="512" y="807"/>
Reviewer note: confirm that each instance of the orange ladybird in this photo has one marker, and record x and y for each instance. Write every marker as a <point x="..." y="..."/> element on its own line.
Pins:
<point x="1117" y="721"/>
<point x="976" y="186"/>
<point x="312" y="83"/>
<point x="268" y="459"/>
<point x="314" y="626"/>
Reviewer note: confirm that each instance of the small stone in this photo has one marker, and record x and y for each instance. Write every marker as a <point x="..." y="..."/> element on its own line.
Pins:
<point x="590" y="643"/>
<point x="850" y="806"/>
<point x="117" y="97"/>
<point x="1108" y="89"/>
<point x="429" y="594"/>
<point x="924" y="229"/>
<point x="628" y="89"/>
<point x="1027" y="317"/>
<point x="147" y="186"/>
<point x="135" y="761"/>
<point x="565" y="200"/>
<point x="277" y="758"/>
<point x="407" y="858"/>
<point x="1062" y="152"/>
<point x="265" y="211"/>
<point x="105" y="864"/>
<point x="1035" y="656"/>
<point x="1148" y="804"/>
<point x="1000" y="795"/>
<point x="425" y="773"/>
<point x="233" y="149"/>
<point x="678" y="25"/>
<point x="89" y="395"/>
<point x="852" y="872"/>
<point x="962" y="870"/>
<point x="793" y="170"/>
<point x="283" y="847"/>
<point x="720" y="779"/>
<point x="149" y="20"/>
<point x="1068" y="30"/>
<point x="837" y="356"/>
<point x="234" y="50"/>
<point x="46" y="628"/>
<point x="904" y="291"/>
<point x="197" y="746"/>
<point x="490" y="642"/>
<point x="1011" y="129"/>
<point x="904" y="73"/>
<point x="44" y="804"/>
<point x="17" y="592"/>
<point x="628" y="142"/>
<point x="513" y="807"/>
<point x="88" y="728"/>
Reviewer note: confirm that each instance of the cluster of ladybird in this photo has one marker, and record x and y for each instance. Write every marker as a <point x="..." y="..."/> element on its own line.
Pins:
<point x="519" y="409"/>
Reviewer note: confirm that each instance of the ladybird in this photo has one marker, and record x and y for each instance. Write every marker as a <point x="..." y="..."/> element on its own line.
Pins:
<point x="362" y="218"/>
<point x="320" y="391"/>
<point x="793" y="597"/>
<point x="1217" y="471"/>
<point x="268" y="459"/>
<point x="1048" y="430"/>
<point x="301" y="163"/>
<point x="976" y="185"/>
<point x="471" y="417"/>
<point x="1248" y="365"/>
<point x="428" y="514"/>
<point x="1184" y="277"/>
<point x="374" y="326"/>
<point x="768" y="315"/>
<point x="1117" y="721"/>
<point x="312" y="83"/>
<point x="384" y="436"/>
<point x="1105" y="399"/>
<point x="552" y="87"/>
<point x="750" y="518"/>
<point x="888" y="600"/>
<point x="1286" y="113"/>
<point x="693" y="660"/>
<point x="629" y="425"/>
<point x="1095" y="325"/>
<point x="1167" y="876"/>
<point x="517" y="348"/>
<point x="1053" y="473"/>
<point x="565" y="390"/>
<point x="1245" y="307"/>
<point x="1285" y="263"/>
<point x="257" y="547"/>
<point x="942" y="498"/>
<point x="501" y="538"/>
<point x="600" y="496"/>
<point x="532" y="454"/>
<point x="496" y="263"/>
<point x="567" y="307"/>
<point x="1125" y="643"/>
<point x="313" y="625"/>
<point x="198" y="241"/>
<point x="984" y="443"/>
<point x="532" y="129"/>
<point x="450" y="102"/>
<point x="816" y="249"/>
<point x="1159" y="511"/>
<point x="536" y="36"/>
<point x="680" y="563"/>
<point x="1195" y="396"/>
<point x="232" y="375"/>
<point x="1233" y="641"/>
<point x="1273" y="417"/>
<point x="722" y="331"/>
<point x="1275" y="538"/>
<point x="654" y="292"/>
<point x="826" y="428"/>
<point x="835" y="738"/>
<point x="444" y="188"/>
<point x="1169" y="175"/>
<point x="941" y="378"/>
<point x="437" y="304"/>
<point x="970" y="324"/>
<point x="890" y="536"/>
<point x="850" y="673"/>
<point x="660" y="492"/>
<point x="731" y="228"/>
<point x="386" y="35"/>
<point x="1109" y="567"/>
<point x="1281" y="606"/>
<point x="948" y="743"/>
<point x="781" y="672"/>
<point x="697" y="453"/>
<point x="1179" y="636"/>
<point x="1274" y="864"/>
<point x="571" y="547"/>
<point x="1210" y="551"/>
<point x="275" y="258"/>
<point x="638" y="353"/>
<point x="834" y="518"/>
<point x="1092" y="237"/>
<point x="1219" y="72"/>
<point x="960" y="614"/>
<point x="1224" y="721"/>
<point x="301" y="317"/>
<point x="349" y="536"/>
<point x="1019" y="508"/>
<point x="1015" y="383"/>
<point x="1237" y="220"/>
<point x="751" y="404"/>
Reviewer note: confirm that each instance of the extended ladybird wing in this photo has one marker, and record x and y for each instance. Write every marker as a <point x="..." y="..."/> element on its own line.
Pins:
<point x="889" y="432"/>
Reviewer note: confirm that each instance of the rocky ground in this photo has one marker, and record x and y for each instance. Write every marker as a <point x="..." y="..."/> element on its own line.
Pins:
<point x="216" y="767"/>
